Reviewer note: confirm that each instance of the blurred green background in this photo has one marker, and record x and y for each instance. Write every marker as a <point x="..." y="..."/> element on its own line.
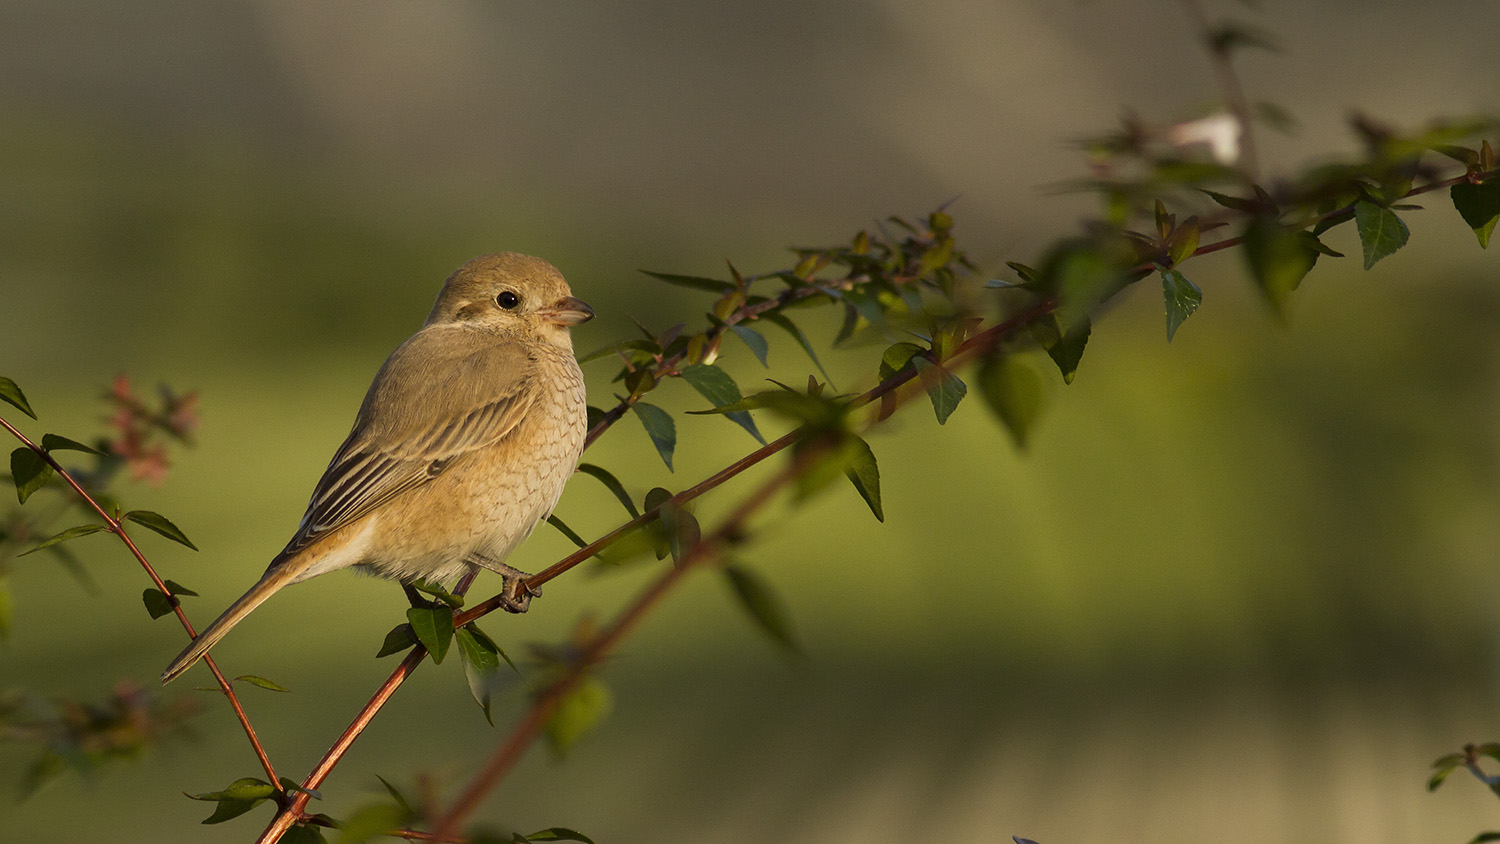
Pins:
<point x="1240" y="588"/>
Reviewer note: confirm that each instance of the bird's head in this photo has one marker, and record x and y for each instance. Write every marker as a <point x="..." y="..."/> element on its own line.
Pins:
<point x="511" y="292"/>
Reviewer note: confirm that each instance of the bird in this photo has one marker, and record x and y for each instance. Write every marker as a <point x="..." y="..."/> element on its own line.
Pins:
<point x="461" y="447"/>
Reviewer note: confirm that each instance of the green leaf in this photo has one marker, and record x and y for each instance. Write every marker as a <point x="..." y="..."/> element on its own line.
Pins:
<point x="755" y="340"/>
<point x="764" y="606"/>
<point x="1233" y="203"/>
<point x="864" y="473"/>
<point x="719" y="388"/>
<point x="580" y="711"/>
<point x="179" y="590"/>
<point x="396" y="795"/>
<point x="241" y="796"/>
<point x="433" y="627"/>
<point x="373" y="821"/>
<point x="1182" y="298"/>
<point x="1479" y="205"/>
<point x="611" y="483"/>
<point x="157" y="603"/>
<point x="399" y="639"/>
<point x="11" y="393"/>
<point x="70" y="533"/>
<point x="1437" y="778"/>
<point x="481" y="659"/>
<point x="562" y="528"/>
<point x="262" y="682"/>
<point x="559" y="833"/>
<point x="29" y="471"/>
<point x="791" y="328"/>
<point x="659" y="427"/>
<point x="693" y="282"/>
<point x="1014" y="391"/>
<point x="897" y="358"/>
<point x="1278" y="259"/>
<point x="1065" y="349"/>
<point x="437" y="591"/>
<point x="683" y="531"/>
<point x="160" y="524"/>
<point x="304" y="833"/>
<point x="943" y="388"/>
<point x="1381" y="232"/>
<point x="53" y="442"/>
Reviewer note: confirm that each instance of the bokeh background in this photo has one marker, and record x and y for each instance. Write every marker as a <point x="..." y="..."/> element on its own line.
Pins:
<point x="1241" y="588"/>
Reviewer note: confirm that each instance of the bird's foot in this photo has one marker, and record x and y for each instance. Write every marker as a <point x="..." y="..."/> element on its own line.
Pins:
<point x="515" y="592"/>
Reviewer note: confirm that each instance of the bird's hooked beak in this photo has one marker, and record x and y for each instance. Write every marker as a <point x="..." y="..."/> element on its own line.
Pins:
<point x="568" y="311"/>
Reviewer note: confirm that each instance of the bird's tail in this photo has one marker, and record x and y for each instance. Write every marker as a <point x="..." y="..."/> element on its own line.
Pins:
<point x="270" y="583"/>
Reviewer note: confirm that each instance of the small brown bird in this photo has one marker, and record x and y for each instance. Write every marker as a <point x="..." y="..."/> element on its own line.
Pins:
<point x="461" y="447"/>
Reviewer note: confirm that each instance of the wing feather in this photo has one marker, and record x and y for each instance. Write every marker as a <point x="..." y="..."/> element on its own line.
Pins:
<point x="446" y="392"/>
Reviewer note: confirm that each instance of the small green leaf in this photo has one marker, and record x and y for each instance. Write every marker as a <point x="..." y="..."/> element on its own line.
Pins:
<point x="612" y="483"/>
<point x="481" y="660"/>
<point x="373" y="821"/>
<point x="157" y="603"/>
<point x="241" y="796"/>
<point x="53" y="442"/>
<point x="1479" y="205"/>
<point x="719" y="388"/>
<point x="304" y="833"/>
<point x="1066" y="350"/>
<point x="897" y="357"/>
<point x="1014" y="391"/>
<point x="262" y="682"/>
<point x="399" y="639"/>
<point x="864" y="473"/>
<point x="683" y="531"/>
<point x="437" y="591"/>
<point x="562" y="528"/>
<point x="943" y="388"/>
<point x="791" y="328"/>
<point x="755" y="340"/>
<point x="229" y="809"/>
<point x="764" y="606"/>
<point x="433" y="627"/>
<point x="160" y="524"/>
<point x="1381" y="232"/>
<point x="29" y="471"/>
<point x="11" y="393"/>
<point x="693" y="282"/>
<point x="1182" y="298"/>
<point x="70" y="533"/>
<point x="179" y="590"/>
<point x="579" y="712"/>
<point x="1278" y="258"/>
<point x="659" y="427"/>
<point x="558" y="833"/>
<point x="396" y="795"/>
<point x="1233" y="203"/>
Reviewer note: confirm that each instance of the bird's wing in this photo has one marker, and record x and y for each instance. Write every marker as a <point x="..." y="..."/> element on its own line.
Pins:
<point x="444" y="393"/>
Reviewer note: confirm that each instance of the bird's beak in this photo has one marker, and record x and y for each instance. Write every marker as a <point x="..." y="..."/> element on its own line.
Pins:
<point x="568" y="311"/>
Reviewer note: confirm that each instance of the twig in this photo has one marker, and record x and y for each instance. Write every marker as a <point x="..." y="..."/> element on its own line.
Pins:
<point x="114" y="526"/>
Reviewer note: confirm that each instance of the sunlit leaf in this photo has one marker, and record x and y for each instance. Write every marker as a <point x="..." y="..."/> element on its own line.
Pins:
<point x="763" y="605"/>
<point x="433" y="627"/>
<point x="11" y="393"/>
<point x="256" y="680"/>
<point x="659" y="427"/>
<point x="29" y="471"/>
<point x="719" y="388"/>
<point x="1381" y="232"/>
<point x="1182" y="298"/>
<point x="160" y="524"/>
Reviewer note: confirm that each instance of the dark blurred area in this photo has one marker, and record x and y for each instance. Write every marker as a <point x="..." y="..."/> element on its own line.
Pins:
<point x="1241" y="587"/>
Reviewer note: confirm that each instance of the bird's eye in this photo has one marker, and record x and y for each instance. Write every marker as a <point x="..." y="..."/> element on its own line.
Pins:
<point x="508" y="300"/>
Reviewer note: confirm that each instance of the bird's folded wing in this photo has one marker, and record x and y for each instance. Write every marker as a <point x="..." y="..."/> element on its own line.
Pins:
<point x="441" y="395"/>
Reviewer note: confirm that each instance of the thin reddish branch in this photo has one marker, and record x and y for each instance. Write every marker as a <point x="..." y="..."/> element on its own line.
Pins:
<point x="114" y="526"/>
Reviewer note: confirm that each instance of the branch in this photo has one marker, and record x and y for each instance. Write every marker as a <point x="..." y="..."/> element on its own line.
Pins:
<point x="114" y="526"/>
